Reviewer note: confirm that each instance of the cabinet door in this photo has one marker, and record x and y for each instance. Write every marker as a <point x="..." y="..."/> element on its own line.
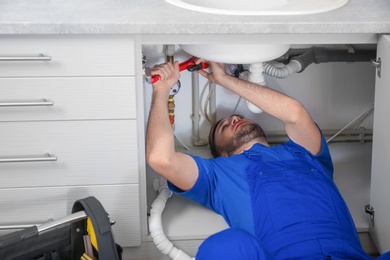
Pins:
<point x="380" y="179"/>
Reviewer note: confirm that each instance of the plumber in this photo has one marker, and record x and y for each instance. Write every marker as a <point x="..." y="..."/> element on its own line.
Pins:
<point x="280" y="201"/>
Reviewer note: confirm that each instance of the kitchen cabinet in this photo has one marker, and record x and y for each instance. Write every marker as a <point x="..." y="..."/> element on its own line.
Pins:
<point x="92" y="52"/>
<point x="380" y="175"/>
<point x="68" y="129"/>
<point x="77" y="98"/>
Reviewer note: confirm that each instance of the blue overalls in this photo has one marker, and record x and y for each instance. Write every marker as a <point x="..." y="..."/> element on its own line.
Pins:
<point x="308" y="217"/>
<point x="310" y="220"/>
<point x="287" y="196"/>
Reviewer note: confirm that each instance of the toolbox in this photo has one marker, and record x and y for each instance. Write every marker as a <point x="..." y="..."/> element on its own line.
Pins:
<point x="84" y="234"/>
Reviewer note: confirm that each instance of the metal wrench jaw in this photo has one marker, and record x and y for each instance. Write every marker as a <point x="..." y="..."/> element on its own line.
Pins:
<point x="147" y="75"/>
<point x="149" y="78"/>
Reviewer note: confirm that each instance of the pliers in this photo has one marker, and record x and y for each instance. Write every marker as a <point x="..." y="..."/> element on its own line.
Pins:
<point x="185" y="65"/>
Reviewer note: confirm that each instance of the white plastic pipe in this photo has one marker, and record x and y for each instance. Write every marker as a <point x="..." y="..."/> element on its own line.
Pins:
<point x="155" y="225"/>
<point x="255" y="75"/>
<point x="274" y="69"/>
<point x="281" y="71"/>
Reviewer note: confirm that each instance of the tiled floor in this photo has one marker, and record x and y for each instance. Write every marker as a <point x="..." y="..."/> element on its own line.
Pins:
<point x="148" y="250"/>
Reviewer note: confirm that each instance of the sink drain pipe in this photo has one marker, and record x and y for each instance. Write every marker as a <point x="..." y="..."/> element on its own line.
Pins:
<point x="321" y="55"/>
<point x="297" y="60"/>
<point x="155" y="224"/>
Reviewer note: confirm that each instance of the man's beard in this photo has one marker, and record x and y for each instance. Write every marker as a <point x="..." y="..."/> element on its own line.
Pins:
<point x="245" y="134"/>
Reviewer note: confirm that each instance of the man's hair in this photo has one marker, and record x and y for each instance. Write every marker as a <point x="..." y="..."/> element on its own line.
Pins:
<point x="213" y="148"/>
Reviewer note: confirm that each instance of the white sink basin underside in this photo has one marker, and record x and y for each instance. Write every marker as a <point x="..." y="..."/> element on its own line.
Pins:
<point x="236" y="53"/>
<point x="260" y="7"/>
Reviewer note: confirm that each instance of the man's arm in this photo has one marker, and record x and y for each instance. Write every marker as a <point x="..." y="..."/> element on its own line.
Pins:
<point x="178" y="168"/>
<point x="297" y="121"/>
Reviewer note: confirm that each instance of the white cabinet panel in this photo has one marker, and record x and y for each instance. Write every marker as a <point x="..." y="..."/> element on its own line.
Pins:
<point x="380" y="176"/>
<point x="37" y="205"/>
<point x="71" y="55"/>
<point x="72" y="98"/>
<point x="89" y="152"/>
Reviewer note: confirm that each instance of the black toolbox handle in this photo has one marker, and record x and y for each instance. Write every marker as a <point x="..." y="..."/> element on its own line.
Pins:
<point x="108" y="249"/>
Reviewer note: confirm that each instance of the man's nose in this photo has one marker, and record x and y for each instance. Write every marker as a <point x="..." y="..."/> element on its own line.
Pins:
<point x="235" y="119"/>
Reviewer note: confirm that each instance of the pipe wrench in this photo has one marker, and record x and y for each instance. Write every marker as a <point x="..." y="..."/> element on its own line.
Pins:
<point x="185" y="65"/>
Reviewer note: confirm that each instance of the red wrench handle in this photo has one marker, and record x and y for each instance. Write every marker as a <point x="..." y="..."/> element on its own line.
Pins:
<point x="183" y="66"/>
<point x="155" y="78"/>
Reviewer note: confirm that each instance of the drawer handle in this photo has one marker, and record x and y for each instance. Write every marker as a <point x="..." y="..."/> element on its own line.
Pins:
<point x="46" y="158"/>
<point x="40" y="57"/>
<point x="44" y="102"/>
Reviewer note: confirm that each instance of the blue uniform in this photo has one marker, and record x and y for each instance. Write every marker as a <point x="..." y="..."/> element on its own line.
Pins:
<point x="283" y="196"/>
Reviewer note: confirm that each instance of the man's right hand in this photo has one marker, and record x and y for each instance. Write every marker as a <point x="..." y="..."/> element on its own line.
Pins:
<point x="169" y="75"/>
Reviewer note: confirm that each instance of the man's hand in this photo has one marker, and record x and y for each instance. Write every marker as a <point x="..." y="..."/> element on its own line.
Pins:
<point x="217" y="71"/>
<point x="169" y="75"/>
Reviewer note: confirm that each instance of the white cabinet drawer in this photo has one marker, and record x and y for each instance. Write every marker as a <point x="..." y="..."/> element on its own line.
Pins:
<point x="70" y="55"/>
<point x="88" y="152"/>
<point x="38" y="205"/>
<point x="67" y="98"/>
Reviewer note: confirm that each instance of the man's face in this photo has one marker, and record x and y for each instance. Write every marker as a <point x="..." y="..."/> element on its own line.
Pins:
<point x="233" y="132"/>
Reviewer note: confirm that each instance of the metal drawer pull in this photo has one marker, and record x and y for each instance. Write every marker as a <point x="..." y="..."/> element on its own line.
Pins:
<point x="40" y="57"/>
<point x="44" y="102"/>
<point x="45" y="158"/>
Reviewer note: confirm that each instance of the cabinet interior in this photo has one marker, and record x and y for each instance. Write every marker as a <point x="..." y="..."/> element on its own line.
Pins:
<point x="335" y="93"/>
